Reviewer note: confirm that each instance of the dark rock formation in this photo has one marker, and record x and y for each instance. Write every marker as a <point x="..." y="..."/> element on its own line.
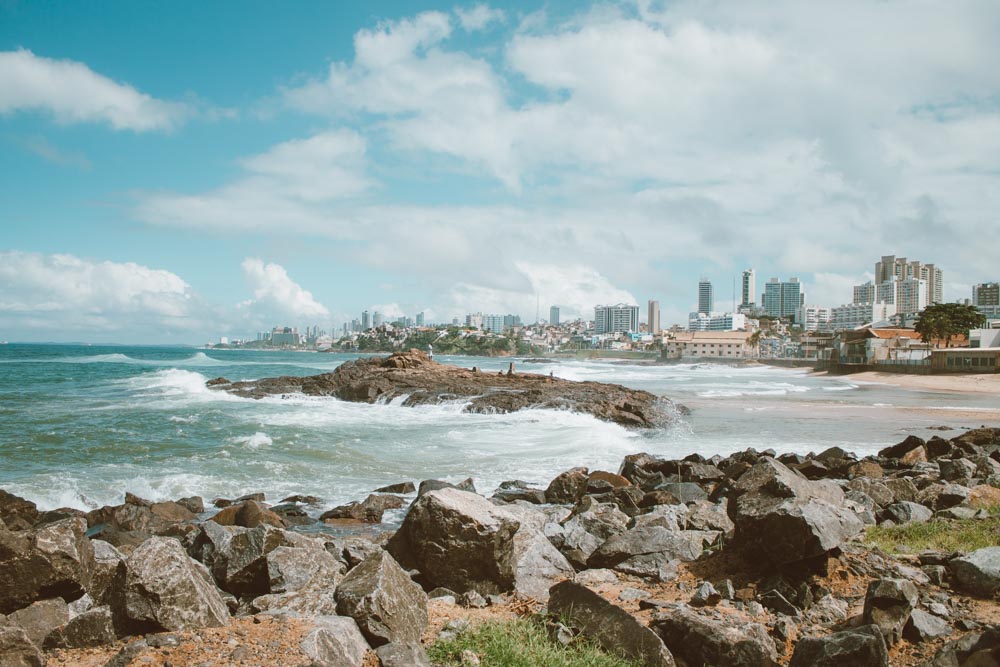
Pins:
<point x="54" y="560"/>
<point x="369" y="510"/>
<point x="414" y="375"/>
<point x="979" y="571"/>
<point x="698" y="640"/>
<point x="857" y="647"/>
<point x="888" y="604"/>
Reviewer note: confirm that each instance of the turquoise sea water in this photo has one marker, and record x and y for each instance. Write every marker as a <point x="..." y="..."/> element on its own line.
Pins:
<point x="80" y="425"/>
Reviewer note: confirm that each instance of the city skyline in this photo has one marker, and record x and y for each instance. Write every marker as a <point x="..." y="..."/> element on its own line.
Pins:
<point x="164" y="179"/>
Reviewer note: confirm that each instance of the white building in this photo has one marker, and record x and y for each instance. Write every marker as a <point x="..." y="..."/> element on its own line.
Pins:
<point x="864" y="293"/>
<point x="493" y="323"/>
<point x="813" y="318"/>
<point x="653" y="317"/>
<point x="749" y="291"/>
<point x="912" y="296"/>
<point x="717" y="321"/>
<point x="898" y="269"/>
<point x="854" y="315"/>
<point x="620" y="317"/>
<point x="708" y="344"/>
<point x="474" y="320"/>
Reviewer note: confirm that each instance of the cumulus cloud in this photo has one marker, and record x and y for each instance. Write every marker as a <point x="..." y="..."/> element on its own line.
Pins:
<point x="478" y="17"/>
<point x="63" y="293"/>
<point x="73" y="93"/>
<point x="275" y="294"/>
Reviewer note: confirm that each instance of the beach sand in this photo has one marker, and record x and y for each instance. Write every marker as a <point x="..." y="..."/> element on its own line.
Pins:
<point x="960" y="383"/>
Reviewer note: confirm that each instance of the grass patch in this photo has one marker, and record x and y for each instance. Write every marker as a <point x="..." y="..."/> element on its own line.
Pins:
<point x="938" y="535"/>
<point x="521" y="642"/>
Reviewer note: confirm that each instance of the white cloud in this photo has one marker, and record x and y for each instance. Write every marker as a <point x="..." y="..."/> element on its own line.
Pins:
<point x="275" y="294"/>
<point x="65" y="293"/>
<point x="74" y="93"/>
<point x="478" y="17"/>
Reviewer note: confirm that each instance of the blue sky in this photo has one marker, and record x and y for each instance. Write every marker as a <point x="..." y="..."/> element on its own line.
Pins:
<point x="177" y="172"/>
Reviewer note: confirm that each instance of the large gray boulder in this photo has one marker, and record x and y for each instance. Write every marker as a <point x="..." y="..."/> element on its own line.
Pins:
<point x="335" y="641"/>
<point x="16" y="650"/>
<point x="402" y="655"/>
<point x="857" y="647"/>
<point x="238" y="557"/>
<point x="584" y="532"/>
<point x="293" y="568"/>
<point x="106" y="562"/>
<point x="698" y="640"/>
<point x="386" y="604"/>
<point x="461" y="541"/>
<point x="906" y="512"/>
<point x="162" y="589"/>
<point x="888" y="603"/>
<point x="648" y="551"/>
<point x="94" y="627"/>
<point x="41" y="618"/>
<point x="978" y="572"/>
<point x="54" y="560"/>
<point x="610" y="626"/>
<point x="783" y="517"/>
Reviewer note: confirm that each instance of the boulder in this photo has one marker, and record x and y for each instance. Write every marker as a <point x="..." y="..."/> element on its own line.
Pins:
<point x="608" y="625"/>
<point x="106" y="561"/>
<point x="705" y="515"/>
<point x="369" y="510"/>
<point x="978" y="572"/>
<point x="584" y="532"/>
<point x="906" y="512"/>
<point x="402" y="487"/>
<point x="292" y="568"/>
<point x="888" y="603"/>
<point x="568" y="487"/>
<point x="16" y="650"/>
<point x="94" y="627"/>
<point x="41" y="618"/>
<point x="162" y="589"/>
<point x="16" y="512"/>
<point x="402" y="655"/>
<point x="909" y="451"/>
<point x="924" y="627"/>
<point x="698" y="640"/>
<point x="857" y="647"/>
<point x="292" y="514"/>
<point x="645" y="545"/>
<point x="386" y="604"/>
<point x="461" y="541"/>
<point x="53" y="560"/>
<point x="781" y="516"/>
<point x="237" y="557"/>
<point x="248" y="514"/>
<point x="335" y="641"/>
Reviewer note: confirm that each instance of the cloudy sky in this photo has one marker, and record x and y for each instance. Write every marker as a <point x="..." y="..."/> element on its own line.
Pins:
<point x="173" y="172"/>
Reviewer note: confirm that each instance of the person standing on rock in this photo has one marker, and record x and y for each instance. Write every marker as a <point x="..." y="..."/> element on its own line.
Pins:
<point x="430" y="351"/>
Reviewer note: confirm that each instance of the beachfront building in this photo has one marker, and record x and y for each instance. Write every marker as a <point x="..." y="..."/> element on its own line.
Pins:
<point x="889" y="345"/>
<point x="854" y="315"/>
<point x="706" y="296"/>
<point x="783" y="299"/>
<point x="813" y="318"/>
<point x="717" y="322"/>
<point x="814" y="344"/>
<point x="967" y="360"/>
<point x="619" y="318"/>
<point x="708" y="345"/>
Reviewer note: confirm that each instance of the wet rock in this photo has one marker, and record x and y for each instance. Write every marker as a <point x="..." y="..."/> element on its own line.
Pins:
<point x="978" y="572"/>
<point x="161" y="588"/>
<point x="888" y="603"/>
<point x="385" y="603"/>
<point x="567" y="487"/>
<point x="698" y="640"/>
<point x="195" y="504"/>
<point x="303" y="500"/>
<point x="402" y="655"/>
<point x="292" y="514"/>
<point x="54" y="560"/>
<point x="429" y="485"/>
<point x="94" y="627"/>
<point x="610" y="626"/>
<point x="402" y="488"/>
<point x="924" y="627"/>
<point x="249" y="513"/>
<point x="858" y="647"/>
<point x="16" y="650"/>
<point x="335" y="641"/>
<point x="369" y="510"/>
<point x="529" y="495"/>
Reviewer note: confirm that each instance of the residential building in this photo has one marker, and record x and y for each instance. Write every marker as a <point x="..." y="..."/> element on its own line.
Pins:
<point x="783" y="299"/>
<point x="511" y="321"/>
<point x="493" y="323"/>
<point x="813" y="345"/>
<point x="377" y="319"/>
<point x="617" y="318"/>
<point x="366" y="321"/>
<point x="717" y="322"/>
<point x="708" y="344"/>
<point x="706" y="296"/>
<point x="474" y="320"/>
<point x="897" y="269"/>
<point x="420" y="319"/>
<point x="749" y="290"/>
<point x="888" y="345"/>
<point x="911" y="296"/>
<point x="984" y="338"/>
<point x="967" y="360"/>
<point x="285" y="336"/>
<point x="854" y="315"/>
<point x="653" y="316"/>
<point x="864" y="293"/>
<point x="986" y="294"/>
<point x="813" y="318"/>
<point x="554" y="316"/>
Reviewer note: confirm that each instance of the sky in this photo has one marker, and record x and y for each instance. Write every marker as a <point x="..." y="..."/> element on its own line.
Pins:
<point x="176" y="172"/>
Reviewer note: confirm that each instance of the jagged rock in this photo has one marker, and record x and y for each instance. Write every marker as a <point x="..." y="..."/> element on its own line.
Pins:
<point x="978" y="572"/>
<point x="596" y="577"/>
<point x="249" y="513"/>
<point x="386" y="604"/>
<point x="335" y="641"/>
<point x="137" y="519"/>
<point x="568" y="486"/>
<point x="402" y="487"/>
<point x="878" y="490"/>
<point x="429" y="485"/>
<point x="356" y="550"/>
<point x="528" y="495"/>
<point x="16" y="512"/>
<point x="705" y="515"/>
<point x="292" y="514"/>
<point x="583" y="533"/>
<point x="778" y="603"/>
<point x="40" y="618"/>
<point x="53" y="560"/>
<point x="857" y="647"/>
<point x="369" y="510"/>
<point x="705" y="596"/>
<point x="782" y="516"/>
<point x="597" y="480"/>
<point x="94" y="627"/>
<point x="237" y="556"/>
<point x="976" y="649"/>
<point x="888" y="603"/>
<point x="106" y="561"/>
<point x="908" y="451"/>
<point x="463" y="542"/>
<point x="421" y="381"/>
<point x="682" y="492"/>
<point x="402" y="655"/>
<point x="906" y="512"/>
<point x="959" y="471"/>
<point x="649" y="551"/>
<point x="292" y="568"/>
<point x="16" y="650"/>
<point x="923" y="627"/>
<point x="671" y="517"/>
<point x="610" y="626"/>
<point x="161" y="588"/>
<point x="698" y="640"/>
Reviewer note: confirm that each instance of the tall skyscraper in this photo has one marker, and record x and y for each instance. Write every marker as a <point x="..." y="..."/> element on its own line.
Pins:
<point x="420" y="319"/>
<point x="654" y="317"/>
<point x="986" y="294"/>
<point x="377" y="319"/>
<point x="366" y="321"/>
<point x="897" y="269"/>
<point x="706" y="296"/>
<point x="783" y="299"/>
<point x="618" y="318"/>
<point x="749" y="290"/>
<point x="554" y="316"/>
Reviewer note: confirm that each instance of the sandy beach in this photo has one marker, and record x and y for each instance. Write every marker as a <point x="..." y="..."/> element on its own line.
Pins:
<point x="988" y="383"/>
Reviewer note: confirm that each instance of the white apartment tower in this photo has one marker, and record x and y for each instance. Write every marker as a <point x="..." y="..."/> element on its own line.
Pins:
<point x="617" y="318"/>
<point x="897" y="269"/>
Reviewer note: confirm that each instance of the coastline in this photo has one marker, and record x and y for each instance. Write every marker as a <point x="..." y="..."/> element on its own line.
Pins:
<point x="986" y="383"/>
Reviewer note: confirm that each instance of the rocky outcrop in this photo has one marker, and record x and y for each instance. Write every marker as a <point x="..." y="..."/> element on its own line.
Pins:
<point x="16" y="650"/>
<point x="54" y="560"/>
<point x="888" y="604"/>
<point x="420" y="380"/>
<point x="385" y="603"/>
<point x="979" y="571"/>
<point x="699" y="640"/>
<point x="857" y="647"/>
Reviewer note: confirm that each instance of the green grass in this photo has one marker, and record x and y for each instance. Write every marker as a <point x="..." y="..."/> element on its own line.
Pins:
<point x="938" y="535"/>
<point x="520" y="643"/>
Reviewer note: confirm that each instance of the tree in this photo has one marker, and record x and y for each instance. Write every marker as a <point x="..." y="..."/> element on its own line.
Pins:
<point x="944" y="320"/>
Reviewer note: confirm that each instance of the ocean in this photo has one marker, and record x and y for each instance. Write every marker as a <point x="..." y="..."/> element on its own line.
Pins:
<point x="80" y="425"/>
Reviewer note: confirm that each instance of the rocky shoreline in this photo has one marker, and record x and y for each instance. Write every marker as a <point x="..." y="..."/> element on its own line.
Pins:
<point x="418" y="380"/>
<point x="748" y="560"/>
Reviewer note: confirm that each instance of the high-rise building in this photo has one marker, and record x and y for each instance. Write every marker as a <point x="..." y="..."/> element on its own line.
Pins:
<point x="654" y="317"/>
<point x="749" y="291"/>
<point x="617" y="318"/>
<point x="864" y="293"/>
<point x="986" y="294"/>
<point x="377" y="319"/>
<point x="854" y="315"/>
<point x="474" y="320"/>
<point x="706" y="296"/>
<point x="366" y="321"/>
<point x="554" y="315"/>
<point x="783" y="299"/>
<point x="912" y="296"/>
<point x="717" y="322"/>
<point x="493" y="323"/>
<point x="420" y="319"/>
<point x="897" y="269"/>
<point x="813" y="318"/>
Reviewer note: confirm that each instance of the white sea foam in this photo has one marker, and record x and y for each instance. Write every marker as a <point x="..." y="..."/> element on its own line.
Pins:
<point x="258" y="439"/>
